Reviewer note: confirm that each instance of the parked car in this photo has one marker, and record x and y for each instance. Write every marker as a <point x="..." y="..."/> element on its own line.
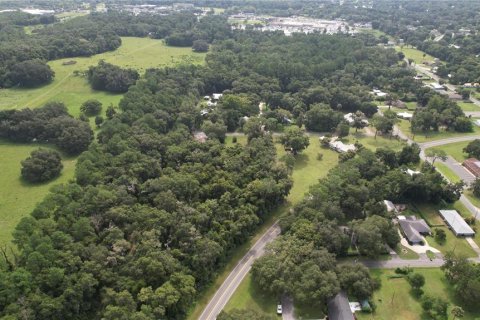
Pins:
<point x="279" y="309"/>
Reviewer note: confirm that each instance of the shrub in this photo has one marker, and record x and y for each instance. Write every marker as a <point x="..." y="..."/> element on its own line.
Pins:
<point x="42" y="165"/>
<point x="320" y="156"/>
<point x="440" y="235"/>
<point x="234" y="139"/>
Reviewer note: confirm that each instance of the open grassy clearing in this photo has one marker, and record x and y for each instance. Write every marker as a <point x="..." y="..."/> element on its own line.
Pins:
<point x="17" y="197"/>
<point x="395" y="300"/>
<point x="136" y="53"/>
<point x="415" y="54"/>
<point x="404" y="126"/>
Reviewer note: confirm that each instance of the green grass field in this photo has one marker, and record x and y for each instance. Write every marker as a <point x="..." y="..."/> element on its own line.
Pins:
<point x="468" y="106"/>
<point x="404" y="126"/>
<point x="17" y="197"/>
<point x="136" y="53"/>
<point x="415" y="54"/>
<point x="395" y="300"/>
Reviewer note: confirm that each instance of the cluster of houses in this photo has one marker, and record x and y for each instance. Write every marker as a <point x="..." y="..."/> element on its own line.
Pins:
<point x="211" y="103"/>
<point x="414" y="229"/>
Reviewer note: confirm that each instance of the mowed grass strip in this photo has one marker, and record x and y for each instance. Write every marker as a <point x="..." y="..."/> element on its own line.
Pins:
<point x="17" y="197"/>
<point x="136" y="53"/>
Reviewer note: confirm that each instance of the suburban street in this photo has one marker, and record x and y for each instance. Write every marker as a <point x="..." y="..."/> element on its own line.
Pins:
<point x="231" y="283"/>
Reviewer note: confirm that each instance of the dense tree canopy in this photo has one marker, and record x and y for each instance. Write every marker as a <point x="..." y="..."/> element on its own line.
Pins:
<point x="108" y="77"/>
<point x="30" y="73"/>
<point x="51" y="123"/>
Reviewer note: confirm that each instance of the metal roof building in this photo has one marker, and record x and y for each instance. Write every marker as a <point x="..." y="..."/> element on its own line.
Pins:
<point x="456" y="223"/>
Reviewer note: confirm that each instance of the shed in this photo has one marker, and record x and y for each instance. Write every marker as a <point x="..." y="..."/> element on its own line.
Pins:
<point x="339" y="308"/>
<point x="455" y="221"/>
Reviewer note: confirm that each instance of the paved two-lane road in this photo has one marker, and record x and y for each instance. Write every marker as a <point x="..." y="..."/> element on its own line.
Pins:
<point x="226" y="290"/>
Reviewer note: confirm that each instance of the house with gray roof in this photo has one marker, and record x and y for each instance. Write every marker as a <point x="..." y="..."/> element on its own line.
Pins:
<point x="456" y="223"/>
<point x="413" y="229"/>
<point x="339" y="308"/>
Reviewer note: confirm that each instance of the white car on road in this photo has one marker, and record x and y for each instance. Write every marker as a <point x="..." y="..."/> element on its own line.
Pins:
<point x="279" y="309"/>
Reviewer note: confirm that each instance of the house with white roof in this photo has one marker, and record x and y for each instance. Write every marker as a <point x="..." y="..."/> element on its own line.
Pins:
<point x="456" y="223"/>
<point x="405" y="115"/>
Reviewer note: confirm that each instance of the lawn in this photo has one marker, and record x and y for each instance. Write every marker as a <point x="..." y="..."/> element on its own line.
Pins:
<point x="455" y="150"/>
<point x="458" y="245"/>
<point x="404" y="126"/>
<point x="469" y="194"/>
<point x="415" y="54"/>
<point x="468" y="106"/>
<point x="137" y="53"/>
<point x="249" y="296"/>
<point x="17" y="197"/>
<point x="395" y="301"/>
<point x="405" y="253"/>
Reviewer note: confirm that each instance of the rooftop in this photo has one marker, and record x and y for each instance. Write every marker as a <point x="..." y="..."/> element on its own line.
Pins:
<point x="456" y="222"/>
<point x="339" y="308"/>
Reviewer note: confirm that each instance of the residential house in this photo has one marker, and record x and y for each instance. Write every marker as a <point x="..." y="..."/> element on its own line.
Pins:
<point x="390" y="206"/>
<point x="456" y="223"/>
<point x="405" y="115"/>
<point x="339" y="308"/>
<point x="217" y="96"/>
<point x="413" y="229"/>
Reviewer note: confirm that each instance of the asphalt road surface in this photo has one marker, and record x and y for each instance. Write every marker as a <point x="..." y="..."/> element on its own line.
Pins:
<point x="226" y="290"/>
